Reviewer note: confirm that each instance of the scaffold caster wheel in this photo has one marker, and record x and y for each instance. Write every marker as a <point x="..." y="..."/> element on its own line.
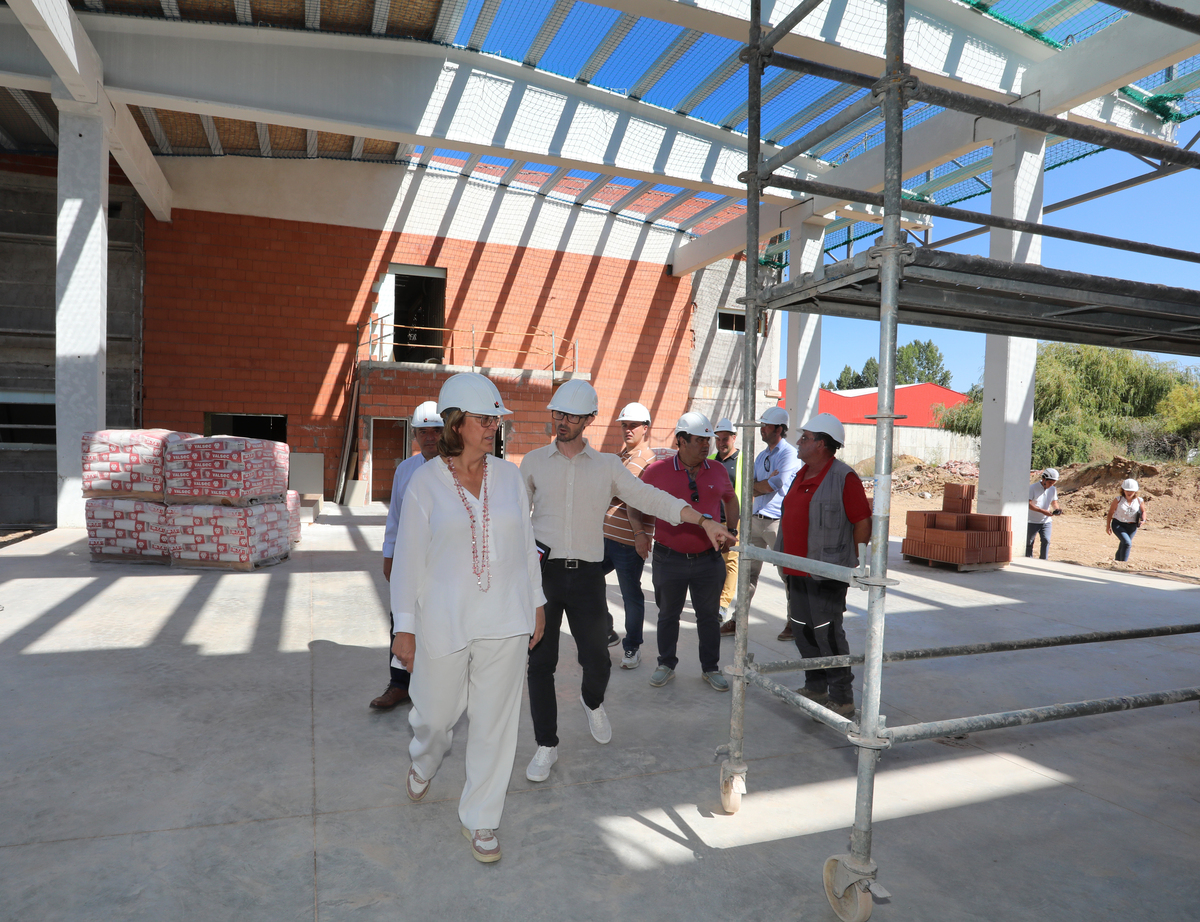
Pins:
<point x="855" y="904"/>
<point x="732" y="788"/>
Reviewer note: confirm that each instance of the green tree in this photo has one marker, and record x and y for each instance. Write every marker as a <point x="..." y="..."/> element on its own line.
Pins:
<point x="1089" y="399"/>
<point x="918" y="362"/>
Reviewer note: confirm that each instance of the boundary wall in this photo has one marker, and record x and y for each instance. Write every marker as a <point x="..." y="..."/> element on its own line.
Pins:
<point x="933" y="446"/>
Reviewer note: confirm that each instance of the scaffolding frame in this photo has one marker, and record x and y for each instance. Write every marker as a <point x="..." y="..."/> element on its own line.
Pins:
<point x="850" y="879"/>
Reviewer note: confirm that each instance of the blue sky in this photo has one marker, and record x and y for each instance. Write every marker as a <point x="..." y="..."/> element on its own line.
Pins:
<point x="1165" y="211"/>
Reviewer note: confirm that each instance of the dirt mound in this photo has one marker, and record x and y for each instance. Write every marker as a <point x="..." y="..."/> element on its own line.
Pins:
<point x="1104" y="476"/>
<point x="1172" y="491"/>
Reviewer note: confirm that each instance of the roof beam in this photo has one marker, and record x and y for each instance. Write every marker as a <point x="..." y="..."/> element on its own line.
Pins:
<point x="449" y="19"/>
<point x="710" y="84"/>
<point x="553" y="180"/>
<point x="311" y="144"/>
<point x="607" y="46"/>
<point x="483" y="24"/>
<point x="170" y="9"/>
<point x="452" y="98"/>
<point x="670" y="205"/>
<point x="511" y="173"/>
<point x="549" y="28"/>
<point x="356" y="148"/>
<point x="630" y="197"/>
<point x="705" y="213"/>
<point x="379" y="16"/>
<point x="770" y="90"/>
<point x="264" y="139"/>
<point x="592" y="188"/>
<point x="156" y="129"/>
<point x="6" y="142"/>
<point x="675" y="50"/>
<point x="312" y="14"/>
<point x="1122" y="54"/>
<point x="840" y="93"/>
<point x="210" y="132"/>
<point x="244" y="14"/>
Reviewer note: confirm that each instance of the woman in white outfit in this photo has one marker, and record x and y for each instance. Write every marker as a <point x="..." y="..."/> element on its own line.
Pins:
<point x="1125" y="514"/>
<point x="467" y="605"/>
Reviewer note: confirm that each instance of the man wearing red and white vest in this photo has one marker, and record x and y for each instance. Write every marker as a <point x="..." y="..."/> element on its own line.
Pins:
<point x="826" y="516"/>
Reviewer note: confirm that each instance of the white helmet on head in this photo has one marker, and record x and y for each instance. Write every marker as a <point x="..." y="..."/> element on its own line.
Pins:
<point x="724" y="424"/>
<point x="576" y="397"/>
<point x="1050" y="473"/>
<point x="694" y="424"/>
<point x="775" y="416"/>
<point x="426" y="416"/>
<point x="473" y="393"/>
<point x="1129" y="484"/>
<point x="634" y="413"/>
<point x="828" y="424"/>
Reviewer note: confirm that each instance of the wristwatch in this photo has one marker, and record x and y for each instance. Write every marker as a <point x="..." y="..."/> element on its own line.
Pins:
<point x="705" y="515"/>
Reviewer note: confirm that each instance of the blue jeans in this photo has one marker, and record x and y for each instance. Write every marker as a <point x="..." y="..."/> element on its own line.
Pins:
<point x="628" y="563"/>
<point x="1124" y="532"/>
<point x="1033" y="531"/>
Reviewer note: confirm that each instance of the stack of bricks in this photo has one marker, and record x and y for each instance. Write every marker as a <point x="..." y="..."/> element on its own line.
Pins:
<point x="956" y="535"/>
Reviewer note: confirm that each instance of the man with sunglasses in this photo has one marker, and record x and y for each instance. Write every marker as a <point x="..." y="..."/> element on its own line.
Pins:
<point x="684" y="560"/>
<point x="570" y="487"/>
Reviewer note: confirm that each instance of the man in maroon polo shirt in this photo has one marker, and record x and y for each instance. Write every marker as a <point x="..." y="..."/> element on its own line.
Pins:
<point x="684" y="559"/>
<point x="826" y="516"/>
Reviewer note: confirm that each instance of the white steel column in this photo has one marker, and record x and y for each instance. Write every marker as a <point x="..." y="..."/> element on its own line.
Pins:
<point x="1018" y="158"/>
<point x="81" y="298"/>
<point x="804" y="330"/>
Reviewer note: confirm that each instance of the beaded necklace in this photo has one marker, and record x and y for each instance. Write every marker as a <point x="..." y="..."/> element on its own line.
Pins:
<point x="480" y="559"/>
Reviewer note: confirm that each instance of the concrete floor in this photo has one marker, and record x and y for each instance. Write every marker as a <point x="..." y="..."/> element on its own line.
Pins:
<point x="194" y="745"/>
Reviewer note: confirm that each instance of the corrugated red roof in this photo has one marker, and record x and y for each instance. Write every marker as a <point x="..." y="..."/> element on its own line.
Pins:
<point x="914" y="401"/>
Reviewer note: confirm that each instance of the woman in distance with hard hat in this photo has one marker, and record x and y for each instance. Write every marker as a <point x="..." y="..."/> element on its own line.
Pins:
<point x="467" y="605"/>
<point x="1125" y="514"/>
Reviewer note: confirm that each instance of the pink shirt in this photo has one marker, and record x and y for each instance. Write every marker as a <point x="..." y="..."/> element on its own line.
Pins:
<point x="713" y="486"/>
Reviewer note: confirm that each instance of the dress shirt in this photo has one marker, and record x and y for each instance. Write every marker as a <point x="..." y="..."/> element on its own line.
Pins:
<point x="570" y="496"/>
<point x="404" y="471"/>
<point x="712" y="486"/>
<point x="781" y="457"/>
<point x="434" y="590"/>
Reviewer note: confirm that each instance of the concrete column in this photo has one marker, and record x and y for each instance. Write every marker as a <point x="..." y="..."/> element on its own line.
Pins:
<point x="81" y="297"/>
<point x="1018" y="158"/>
<point x="804" y="330"/>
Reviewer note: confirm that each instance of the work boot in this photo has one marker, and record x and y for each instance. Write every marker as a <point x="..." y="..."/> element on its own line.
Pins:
<point x="390" y="698"/>
<point x="786" y="633"/>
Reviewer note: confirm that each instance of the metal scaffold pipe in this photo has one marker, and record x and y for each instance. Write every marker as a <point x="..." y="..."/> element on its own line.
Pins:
<point x="977" y="217"/>
<point x="999" y="112"/>
<point x="1160" y="12"/>
<point x="827" y="129"/>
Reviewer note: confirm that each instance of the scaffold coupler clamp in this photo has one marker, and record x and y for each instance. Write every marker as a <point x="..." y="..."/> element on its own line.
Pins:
<point x="877" y="254"/>
<point x="869" y="581"/>
<point x="849" y="871"/>
<point x="903" y="79"/>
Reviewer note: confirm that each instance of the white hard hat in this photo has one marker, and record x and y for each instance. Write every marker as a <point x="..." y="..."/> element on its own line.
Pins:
<point x="473" y="393"/>
<point x="775" y="416"/>
<point x="695" y="424"/>
<point x="1050" y="474"/>
<point x="1130" y="484"/>
<point x="426" y="416"/>
<point x="827" y="423"/>
<point x="576" y="397"/>
<point x="634" y="413"/>
<point x="724" y="424"/>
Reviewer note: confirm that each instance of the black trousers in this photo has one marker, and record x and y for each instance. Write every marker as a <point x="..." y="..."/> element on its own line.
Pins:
<point x="815" y="608"/>
<point x="579" y="593"/>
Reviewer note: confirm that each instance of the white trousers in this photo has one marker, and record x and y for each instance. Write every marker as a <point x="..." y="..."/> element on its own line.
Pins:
<point x="485" y="680"/>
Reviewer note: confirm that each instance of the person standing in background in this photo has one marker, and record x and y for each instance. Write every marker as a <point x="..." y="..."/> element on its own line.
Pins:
<point x="1043" y="503"/>
<point x="774" y="469"/>
<point x="1125" y="514"/>
<point x="729" y="455"/>
<point x="427" y="429"/>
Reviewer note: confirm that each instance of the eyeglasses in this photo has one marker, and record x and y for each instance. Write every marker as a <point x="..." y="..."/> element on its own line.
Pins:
<point x="558" y="416"/>
<point x="692" y="486"/>
<point x="487" y="422"/>
<point x="807" y="438"/>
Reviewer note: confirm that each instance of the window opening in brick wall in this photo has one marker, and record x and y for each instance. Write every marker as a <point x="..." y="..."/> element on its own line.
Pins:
<point x="26" y="423"/>
<point x="246" y="426"/>
<point x="418" y="306"/>
<point x="389" y="441"/>
<point x="735" y="321"/>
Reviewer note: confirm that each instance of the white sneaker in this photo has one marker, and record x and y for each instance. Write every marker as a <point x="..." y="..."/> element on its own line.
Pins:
<point x="631" y="660"/>
<point x="539" y="765"/>
<point x="597" y="722"/>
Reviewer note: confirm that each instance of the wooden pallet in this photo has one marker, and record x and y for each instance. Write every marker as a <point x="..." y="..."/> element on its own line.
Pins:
<point x="957" y="567"/>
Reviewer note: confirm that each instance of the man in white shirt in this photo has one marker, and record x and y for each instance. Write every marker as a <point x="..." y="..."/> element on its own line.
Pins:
<point x="427" y="429"/>
<point x="774" y="470"/>
<point x="570" y="487"/>
<point x="1043" y="503"/>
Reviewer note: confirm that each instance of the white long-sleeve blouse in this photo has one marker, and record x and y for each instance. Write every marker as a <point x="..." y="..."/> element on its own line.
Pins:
<point x="434" y="590"/>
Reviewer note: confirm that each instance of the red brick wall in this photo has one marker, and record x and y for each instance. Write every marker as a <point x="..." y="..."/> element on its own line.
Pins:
<point x="256" y="315"/>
